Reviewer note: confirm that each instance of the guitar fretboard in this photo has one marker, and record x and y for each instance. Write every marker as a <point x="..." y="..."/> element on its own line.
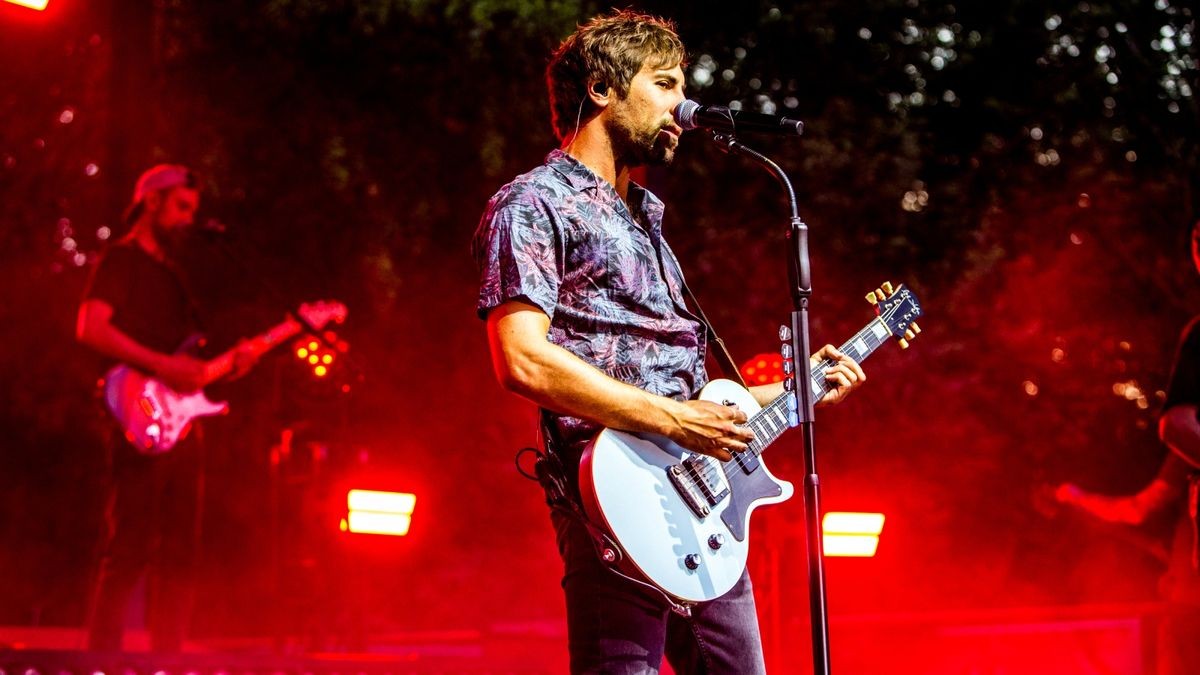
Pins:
<point x="774" y="419"/>
<point x="259" y="345"/>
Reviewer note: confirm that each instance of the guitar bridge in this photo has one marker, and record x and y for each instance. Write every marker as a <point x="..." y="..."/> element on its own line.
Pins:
<point x="699" y="483"/>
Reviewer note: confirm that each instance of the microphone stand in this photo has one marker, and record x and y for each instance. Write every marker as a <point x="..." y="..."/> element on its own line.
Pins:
<point x="798" y="382"/>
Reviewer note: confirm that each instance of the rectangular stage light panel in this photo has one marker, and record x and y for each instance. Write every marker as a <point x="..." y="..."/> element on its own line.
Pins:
<point x="851" y="535"/>
<point x="378" y="512"/>
<point x="39" y="5"/>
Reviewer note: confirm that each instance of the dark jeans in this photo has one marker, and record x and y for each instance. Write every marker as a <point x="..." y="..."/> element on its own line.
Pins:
<point x="617" y="627"/>
<point x="153" y="518"/>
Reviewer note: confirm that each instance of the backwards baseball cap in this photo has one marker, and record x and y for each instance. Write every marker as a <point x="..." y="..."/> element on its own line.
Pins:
<point x="159" y="177"/>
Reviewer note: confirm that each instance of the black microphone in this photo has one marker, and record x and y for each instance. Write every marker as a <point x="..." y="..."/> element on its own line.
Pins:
<point x="691" y="115"/>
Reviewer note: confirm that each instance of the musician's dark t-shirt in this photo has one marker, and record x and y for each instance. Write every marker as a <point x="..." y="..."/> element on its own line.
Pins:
<point x="1185" y="374"/>
<point x="150" y="303"/>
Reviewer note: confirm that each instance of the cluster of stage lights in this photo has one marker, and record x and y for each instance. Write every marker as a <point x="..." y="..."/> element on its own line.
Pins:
<point x="319" y="356"/>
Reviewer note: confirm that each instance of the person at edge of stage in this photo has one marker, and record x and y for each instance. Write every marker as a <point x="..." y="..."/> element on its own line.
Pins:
<point x="136" y="310"/>
<point x="586" y="318"/>
<point x="1176" y="485"/>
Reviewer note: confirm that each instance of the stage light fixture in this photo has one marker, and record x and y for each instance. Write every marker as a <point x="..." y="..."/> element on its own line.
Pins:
<point x="39" y="5"/>
<point x="763" y="369"/>
<point x="378" y="512"/>
<point x="855" y="535"/>
<point x="318" y="356"/>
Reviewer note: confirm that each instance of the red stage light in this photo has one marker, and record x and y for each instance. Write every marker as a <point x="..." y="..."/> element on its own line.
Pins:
<point x="320" y="357"/>
<point x="763" y="369"/>
<point x="377" y="512"/>
<point x="39" y="5"/>
<point x="851" y="534"/>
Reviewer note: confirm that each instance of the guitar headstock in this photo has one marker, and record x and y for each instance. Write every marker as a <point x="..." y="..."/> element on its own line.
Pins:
<point x="321" y="312"/>
<point x="898" y="308"/>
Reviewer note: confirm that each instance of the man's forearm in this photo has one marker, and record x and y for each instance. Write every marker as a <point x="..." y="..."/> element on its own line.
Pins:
<point x="112" y="342"/>
<point x="556" y="379"/>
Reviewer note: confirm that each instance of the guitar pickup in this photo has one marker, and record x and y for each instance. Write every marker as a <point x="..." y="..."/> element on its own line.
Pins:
<point x="685" y="485"/>
<point x="747" y="460"/>
<point x="149" y="408"/>
<point x="699" y="483"/>
<point x="708" y="478"/>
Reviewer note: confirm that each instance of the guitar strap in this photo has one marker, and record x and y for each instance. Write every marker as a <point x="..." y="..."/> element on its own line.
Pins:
<point x="563" y="497"/>
<point x="721" y="353"/>
<point x="562" y="494"/>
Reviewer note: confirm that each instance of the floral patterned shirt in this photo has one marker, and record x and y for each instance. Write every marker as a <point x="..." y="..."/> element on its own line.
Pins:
<point x="561" y="238"/>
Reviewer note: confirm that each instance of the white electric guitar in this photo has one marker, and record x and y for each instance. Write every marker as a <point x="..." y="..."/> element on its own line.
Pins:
<point x="155" y="417"/>
<point x="680" y="519"/>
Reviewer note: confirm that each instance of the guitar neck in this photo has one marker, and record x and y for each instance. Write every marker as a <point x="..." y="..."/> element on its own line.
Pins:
<point x="258" y="345"/>
<point x="770" y="422"/>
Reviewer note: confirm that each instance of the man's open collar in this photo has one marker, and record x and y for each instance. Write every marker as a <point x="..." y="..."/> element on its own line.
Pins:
<point x="582" y="178"/>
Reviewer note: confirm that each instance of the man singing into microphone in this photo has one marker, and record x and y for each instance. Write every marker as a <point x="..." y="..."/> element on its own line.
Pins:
<point x="585" y="317"/>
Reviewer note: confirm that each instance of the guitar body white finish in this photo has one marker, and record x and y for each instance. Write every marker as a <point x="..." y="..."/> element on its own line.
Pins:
<point x="681" y="521"/>
<point x="154" y="416"/>
<point x="626" y="487"/>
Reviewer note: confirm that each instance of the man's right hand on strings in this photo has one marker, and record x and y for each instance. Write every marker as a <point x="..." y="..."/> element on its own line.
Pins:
<point x="711" y="429"/>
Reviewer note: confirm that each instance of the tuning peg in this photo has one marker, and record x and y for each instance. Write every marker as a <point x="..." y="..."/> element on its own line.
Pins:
<point x="887" y="287"/>
<point x="880" y="295"/>
<point x="915" y="328"/>
<point x="785" y="333"/>
<point x="909" y="335"/>
<point x="872" y="299"/>
<point x="903" y="343"/>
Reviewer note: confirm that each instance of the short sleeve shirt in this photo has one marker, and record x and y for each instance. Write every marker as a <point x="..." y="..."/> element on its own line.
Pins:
<point x="1184" y="387"/>
<point x="562" y="239"/>
<point x="150" y="303"/>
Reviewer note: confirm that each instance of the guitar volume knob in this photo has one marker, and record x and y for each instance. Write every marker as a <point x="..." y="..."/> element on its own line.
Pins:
<point x="692" y="561"/>
<point x="716" y="541"/>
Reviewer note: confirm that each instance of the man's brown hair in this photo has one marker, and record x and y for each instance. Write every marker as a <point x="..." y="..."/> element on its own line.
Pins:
<point x="608" y="51"/>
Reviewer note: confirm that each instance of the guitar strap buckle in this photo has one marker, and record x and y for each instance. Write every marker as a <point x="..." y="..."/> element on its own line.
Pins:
<point x="552" y="477"/>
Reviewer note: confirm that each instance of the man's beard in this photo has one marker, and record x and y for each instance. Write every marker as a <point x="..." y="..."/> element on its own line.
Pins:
<point x="173" y="240"/>
<point x="644" y="148"/>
